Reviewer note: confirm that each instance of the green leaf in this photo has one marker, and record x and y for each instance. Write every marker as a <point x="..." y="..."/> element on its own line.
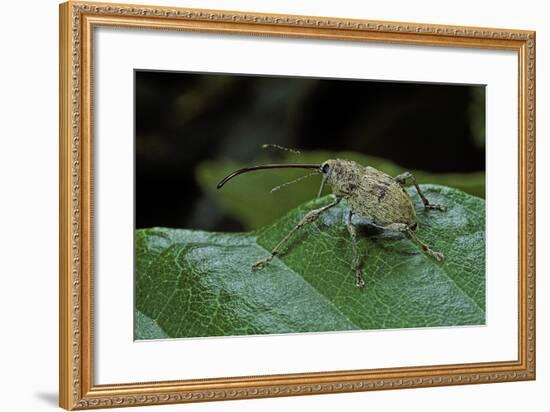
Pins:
<point x="249" y="199"/>
<point x="146" y="328"/>
<point x="195" y="283"/>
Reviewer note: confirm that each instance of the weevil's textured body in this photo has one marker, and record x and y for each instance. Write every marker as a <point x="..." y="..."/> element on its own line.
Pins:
<point x="371" y="194"/>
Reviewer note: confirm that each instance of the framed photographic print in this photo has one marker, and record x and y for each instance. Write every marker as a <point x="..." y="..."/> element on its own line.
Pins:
<point x="257" y="205"/>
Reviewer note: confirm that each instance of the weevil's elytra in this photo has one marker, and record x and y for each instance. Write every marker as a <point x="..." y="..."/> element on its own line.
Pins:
<point x="370" y="193"/>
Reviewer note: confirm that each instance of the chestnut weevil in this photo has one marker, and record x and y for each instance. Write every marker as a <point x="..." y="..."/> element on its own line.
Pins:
<point x="372" y="195"/>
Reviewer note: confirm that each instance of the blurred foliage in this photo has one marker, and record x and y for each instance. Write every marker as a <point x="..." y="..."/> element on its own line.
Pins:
<point x="183" y="119"/>
<point x="249" y="199"/>
<point x="476" y="114"/>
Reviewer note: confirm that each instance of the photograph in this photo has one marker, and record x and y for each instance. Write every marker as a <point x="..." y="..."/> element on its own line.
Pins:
<point x="281" y="205"/>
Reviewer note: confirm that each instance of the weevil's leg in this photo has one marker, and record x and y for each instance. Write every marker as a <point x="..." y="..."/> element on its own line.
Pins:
<point x="402" y="180"/>
<point x="436" y="255"/>
<point x="356" y="264"/>
<point x="403" y="228"/>
<point x="309" y="217"/>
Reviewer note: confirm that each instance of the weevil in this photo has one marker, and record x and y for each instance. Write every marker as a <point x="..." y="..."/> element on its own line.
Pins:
<point x="372" y="195"/>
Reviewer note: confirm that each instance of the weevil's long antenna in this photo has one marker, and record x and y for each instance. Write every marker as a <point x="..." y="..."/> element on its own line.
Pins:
<point x="267" y="166"/>
<point x="322" y="185"/>
<point x="276" y="146"/>
<point x="292" y="182"/>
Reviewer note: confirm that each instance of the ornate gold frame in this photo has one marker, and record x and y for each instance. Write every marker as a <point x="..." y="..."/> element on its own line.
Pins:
<point x="77" y="23"/>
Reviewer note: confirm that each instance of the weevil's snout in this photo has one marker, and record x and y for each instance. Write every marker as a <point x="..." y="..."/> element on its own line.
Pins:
<point x="266" y="166"/>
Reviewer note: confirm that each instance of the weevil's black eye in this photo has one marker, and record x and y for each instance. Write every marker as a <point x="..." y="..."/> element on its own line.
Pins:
<point x="325" y="168"/>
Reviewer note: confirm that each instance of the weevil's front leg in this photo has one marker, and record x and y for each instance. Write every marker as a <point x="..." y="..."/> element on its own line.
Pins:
<point x="309" y="217"/>
<point x="403" y="228"/>
<point x="356" y="264"/>
<point x="402" y="180"/>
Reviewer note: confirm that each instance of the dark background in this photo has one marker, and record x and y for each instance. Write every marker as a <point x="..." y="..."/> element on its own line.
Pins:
<point x="182" y="119"/>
